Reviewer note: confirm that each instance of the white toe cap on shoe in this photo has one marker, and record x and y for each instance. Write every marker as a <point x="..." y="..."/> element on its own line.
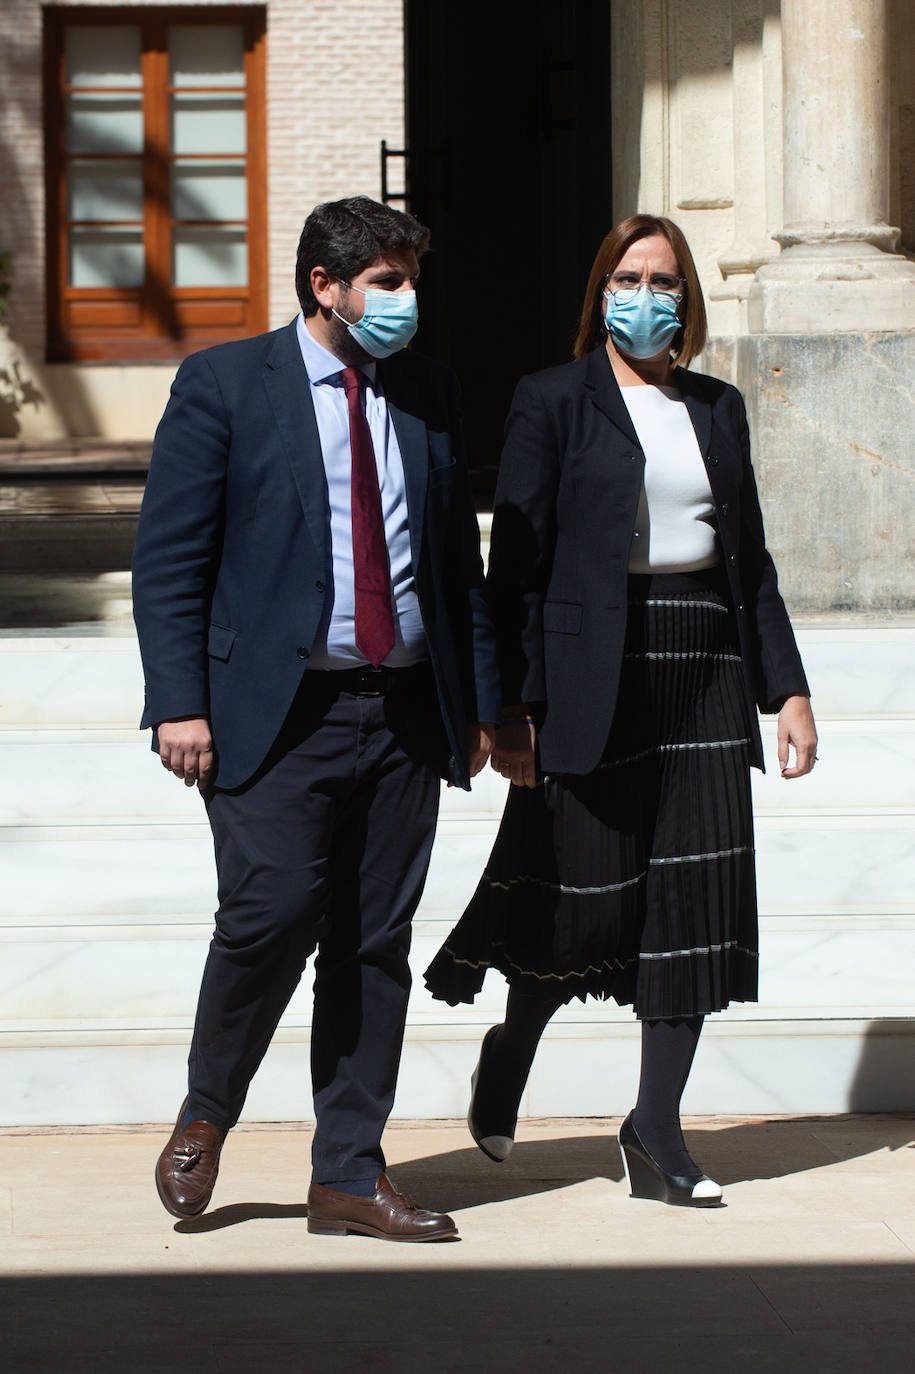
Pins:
<point x="708" y="1189"/>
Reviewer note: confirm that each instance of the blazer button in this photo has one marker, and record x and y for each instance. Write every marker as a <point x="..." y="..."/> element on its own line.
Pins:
<point x="724" y="508"/>
<point x="741" y="607"/>
<point x="301" y="652"/>
<point x="319" y="586"/>
<point x="712" y="462"/>
<point x="733" y="558"/>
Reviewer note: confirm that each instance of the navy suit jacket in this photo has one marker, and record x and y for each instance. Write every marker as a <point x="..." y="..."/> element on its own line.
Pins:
<point x="563" y="521"/>
<point x="231" y="563"/>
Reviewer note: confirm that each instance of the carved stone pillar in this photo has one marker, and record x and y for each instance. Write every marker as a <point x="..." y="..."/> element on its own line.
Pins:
<point x="754" y="38"/>
<point x="838" y="270"/>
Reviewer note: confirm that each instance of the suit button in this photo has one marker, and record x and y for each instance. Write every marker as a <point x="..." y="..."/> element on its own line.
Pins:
<point x="741" y="607"/>
<point x="712" y="462"/>
<point x="319" y="586"/>
<point x="724" y="508"/>
<point x="733" y="558"/>
<point x="302" y="652"/>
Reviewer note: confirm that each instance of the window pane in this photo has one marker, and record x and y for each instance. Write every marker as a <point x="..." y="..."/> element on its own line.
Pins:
<point x="207" y="56"/>
<point x="103" y="57"/>
<point x="106" y="257"/>
<point x="104" y="124"/>
<point x="209" y="190"/>
<point x="209" y="256"/>
<point x="208" y="124"/>
<point x="105" y="190"/>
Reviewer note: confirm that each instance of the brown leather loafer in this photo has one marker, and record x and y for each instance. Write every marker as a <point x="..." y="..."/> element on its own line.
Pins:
<point x="186" y="1169"/>
<point x="388" y="1215"/>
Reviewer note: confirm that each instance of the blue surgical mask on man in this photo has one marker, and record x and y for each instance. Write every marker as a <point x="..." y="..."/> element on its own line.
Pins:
<point x="388" y="323"/>
<point x="639" y="322"/>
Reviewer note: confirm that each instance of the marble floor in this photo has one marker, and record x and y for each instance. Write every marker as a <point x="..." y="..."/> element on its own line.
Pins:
<point x="809" y="1267"/>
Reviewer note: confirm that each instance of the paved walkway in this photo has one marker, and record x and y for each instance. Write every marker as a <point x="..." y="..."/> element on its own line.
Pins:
<point x="810" y="1267"/>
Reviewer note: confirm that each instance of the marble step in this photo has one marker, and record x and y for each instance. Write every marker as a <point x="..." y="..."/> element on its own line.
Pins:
<point x="806" y="863"/>
<point x="62" y="776"/>
<point x="583" y="1068"/>
<point x="59" y="776"/>
<point x="108" y="890"/>
<point x="76" y="603"/>
<point x="856" y="668"/>
<point x="122" y="975"/>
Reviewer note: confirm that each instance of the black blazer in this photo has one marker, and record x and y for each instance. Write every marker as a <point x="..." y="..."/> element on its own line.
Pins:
<point x="563" y="521"/>
<point x="232" y="554"/>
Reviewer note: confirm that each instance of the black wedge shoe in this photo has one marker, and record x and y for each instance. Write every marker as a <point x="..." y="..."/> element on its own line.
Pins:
<point x="647" y="1179"/>
<point x="496" y="1144"/>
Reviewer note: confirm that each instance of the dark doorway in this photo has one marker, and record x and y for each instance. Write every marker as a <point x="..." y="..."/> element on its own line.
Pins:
<point x="508" y="135"/>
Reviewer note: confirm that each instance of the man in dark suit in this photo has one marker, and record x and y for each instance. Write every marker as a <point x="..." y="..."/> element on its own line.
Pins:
<point x="317" y="653"/>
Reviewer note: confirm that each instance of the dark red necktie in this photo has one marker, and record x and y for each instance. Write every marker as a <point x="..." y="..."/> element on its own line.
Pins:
<point x="371" y="573"/>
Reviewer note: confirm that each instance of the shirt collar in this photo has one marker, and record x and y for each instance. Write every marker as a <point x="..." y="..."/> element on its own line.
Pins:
<point x="320" y="364"/>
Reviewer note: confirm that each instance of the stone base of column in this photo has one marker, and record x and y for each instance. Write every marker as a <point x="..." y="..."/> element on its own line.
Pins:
<point x="832" y="419"/>
<point x="835" y="286"/>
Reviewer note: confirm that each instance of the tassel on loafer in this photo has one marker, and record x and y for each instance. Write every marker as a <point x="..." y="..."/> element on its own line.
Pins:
<point x="647" y="1179"/>
<point x="494" y="1145"/>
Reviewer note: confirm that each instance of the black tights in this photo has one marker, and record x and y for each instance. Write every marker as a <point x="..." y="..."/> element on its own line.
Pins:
<point x="667" y="1057"/>
<point x="668" y="1048"/>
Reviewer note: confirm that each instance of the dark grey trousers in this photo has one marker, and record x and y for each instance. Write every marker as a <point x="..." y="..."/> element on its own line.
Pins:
<point x="327" y="848"/>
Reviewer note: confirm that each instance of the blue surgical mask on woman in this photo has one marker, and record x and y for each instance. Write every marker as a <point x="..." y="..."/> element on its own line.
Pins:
<point x="388" y="323"/>
<point x="640" y="323"/>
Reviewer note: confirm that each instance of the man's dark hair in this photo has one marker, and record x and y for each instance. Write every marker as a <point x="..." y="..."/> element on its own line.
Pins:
<point x="346" y="236"/>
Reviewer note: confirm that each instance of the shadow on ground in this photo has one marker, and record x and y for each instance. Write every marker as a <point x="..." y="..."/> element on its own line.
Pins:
<point x="457" y="1180"/>
<point x="767" y="1319"/>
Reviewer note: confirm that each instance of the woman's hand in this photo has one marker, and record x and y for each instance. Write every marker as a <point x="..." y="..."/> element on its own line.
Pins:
<point x="796" y="729"/>
<point x="513" y="752"/>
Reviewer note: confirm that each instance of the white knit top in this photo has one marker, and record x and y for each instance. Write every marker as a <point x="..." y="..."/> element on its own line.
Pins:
<point x="675" y="526"/>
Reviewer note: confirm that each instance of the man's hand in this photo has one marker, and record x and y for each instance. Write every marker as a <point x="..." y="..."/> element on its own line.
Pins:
<point x="186" y="749"/>
<point x="513" y="752"/>
<point x="796" y="728"/>
<point x="480" y="736"/>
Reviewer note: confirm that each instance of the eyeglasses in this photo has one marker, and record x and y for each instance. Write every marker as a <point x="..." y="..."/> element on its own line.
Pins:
<point x="625" y="285"/>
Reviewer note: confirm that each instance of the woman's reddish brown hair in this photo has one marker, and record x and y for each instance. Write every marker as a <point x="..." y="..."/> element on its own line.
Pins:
<point x="592" y="332"/>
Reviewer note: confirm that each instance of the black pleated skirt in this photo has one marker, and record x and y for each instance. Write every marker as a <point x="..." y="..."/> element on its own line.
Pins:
<point x="636" y="881"/>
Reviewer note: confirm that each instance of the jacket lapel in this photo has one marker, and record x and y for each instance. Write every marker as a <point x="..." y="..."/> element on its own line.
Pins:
<point x="606" y="394"/>
<point x="290" y="395"/>
<point x="604" y="390"/>
<point x="414" y="449"/>
<point x="698" y="408"/>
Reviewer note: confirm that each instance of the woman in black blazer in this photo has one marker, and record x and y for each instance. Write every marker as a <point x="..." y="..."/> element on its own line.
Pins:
<point x="640" y="627"/>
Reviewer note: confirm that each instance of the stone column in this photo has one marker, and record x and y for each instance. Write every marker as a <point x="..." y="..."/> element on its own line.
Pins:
<point x="838" y="270"/>
<point x="754" y="177"/>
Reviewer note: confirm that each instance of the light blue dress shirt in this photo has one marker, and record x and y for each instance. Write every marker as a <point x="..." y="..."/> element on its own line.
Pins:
<point x="335" y="642"/>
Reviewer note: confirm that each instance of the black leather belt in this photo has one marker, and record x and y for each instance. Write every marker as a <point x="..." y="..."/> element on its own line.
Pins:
<point x="371" y="682"/>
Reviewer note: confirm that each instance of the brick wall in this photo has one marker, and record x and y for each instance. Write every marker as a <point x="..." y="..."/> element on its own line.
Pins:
<point x="334" y="90"/>
<point x="21" y="167"/>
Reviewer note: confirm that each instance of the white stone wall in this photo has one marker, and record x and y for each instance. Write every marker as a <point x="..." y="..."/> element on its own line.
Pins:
<point x="698" y="83"/>
<point x="334" y="90"/>
<point x="697" y="112"/>
<point x="698" y="129"/>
